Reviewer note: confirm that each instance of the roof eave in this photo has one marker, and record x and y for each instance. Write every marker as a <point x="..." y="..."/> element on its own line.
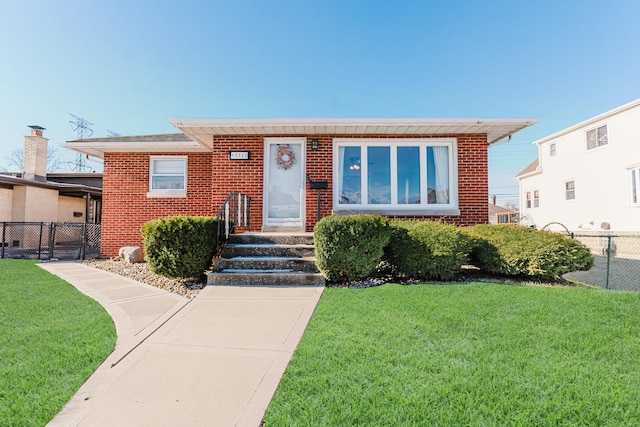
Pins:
<point x="99" y="148"/>
<point x="591" y="121"/>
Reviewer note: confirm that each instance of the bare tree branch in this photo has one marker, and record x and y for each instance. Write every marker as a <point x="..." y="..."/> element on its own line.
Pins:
<point x="54" y="162"/>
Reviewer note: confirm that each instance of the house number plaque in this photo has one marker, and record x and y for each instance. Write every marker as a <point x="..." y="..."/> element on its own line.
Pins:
<point x="239" y="155"/>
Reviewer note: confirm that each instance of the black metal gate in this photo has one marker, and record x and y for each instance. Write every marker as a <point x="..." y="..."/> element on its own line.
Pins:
<point x="49" y="240"/>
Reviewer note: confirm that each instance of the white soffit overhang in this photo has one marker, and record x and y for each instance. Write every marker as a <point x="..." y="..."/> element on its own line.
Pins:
<point x="203" y="131"/>
<point x="144" y="144"/>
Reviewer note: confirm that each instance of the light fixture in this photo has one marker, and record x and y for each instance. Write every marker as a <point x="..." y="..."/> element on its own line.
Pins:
<point x="355" y="163"/>
<point x="315" y="144"/>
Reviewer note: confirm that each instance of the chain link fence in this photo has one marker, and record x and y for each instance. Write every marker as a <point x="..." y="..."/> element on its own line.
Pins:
<point x="616" y="262"/>
<point x="49" y="240"/>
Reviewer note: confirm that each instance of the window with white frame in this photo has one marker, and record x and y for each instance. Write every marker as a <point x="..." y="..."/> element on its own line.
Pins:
<point x="395" y="174"/>
<point x="552" y="149"/>
<point x="533" y="199"/>
<point x="597" y="137"/>
<point x="168" y="176"/>
<point x="634" y="187"/>
<point x="570" y="190"/>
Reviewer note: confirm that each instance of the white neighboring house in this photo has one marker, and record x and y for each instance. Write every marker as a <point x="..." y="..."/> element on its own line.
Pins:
<point x="587" y="177"/>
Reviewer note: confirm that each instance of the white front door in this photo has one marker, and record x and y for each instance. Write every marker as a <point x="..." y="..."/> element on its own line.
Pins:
<point x="284" y="182"/>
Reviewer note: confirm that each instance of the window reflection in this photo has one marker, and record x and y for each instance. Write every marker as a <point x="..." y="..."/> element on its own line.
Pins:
<point x="408" y="175"/>
<point x="379" y="175"/>
<point x="349" y="179"/>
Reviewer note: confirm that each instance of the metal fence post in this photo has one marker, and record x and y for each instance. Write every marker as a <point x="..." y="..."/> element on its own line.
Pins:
<point x="52" y="237"/>
<point x="4" y="234"/>
<point x="40" y="240"/>
<point x="608" y="260"/>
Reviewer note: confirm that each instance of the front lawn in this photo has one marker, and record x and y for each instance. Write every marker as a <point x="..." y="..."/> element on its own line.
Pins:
<point x="52" y="338"/>
<point x="471" y="354"/>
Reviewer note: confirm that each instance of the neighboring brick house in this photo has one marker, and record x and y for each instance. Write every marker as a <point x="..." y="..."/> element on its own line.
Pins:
<point x="416" y="168"/>
<point x="37" y="196"/>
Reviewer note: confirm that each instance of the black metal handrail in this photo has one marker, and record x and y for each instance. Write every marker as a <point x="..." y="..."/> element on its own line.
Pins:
<point x="235" y="212"/>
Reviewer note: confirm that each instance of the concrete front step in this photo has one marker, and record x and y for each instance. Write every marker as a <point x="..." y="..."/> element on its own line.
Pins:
<point x="267" y="259"/>
<point x="265" y="278"/>
<point x="272" y="238"/>
<point x="233" y="250"/>
<point x="267" y="263"/>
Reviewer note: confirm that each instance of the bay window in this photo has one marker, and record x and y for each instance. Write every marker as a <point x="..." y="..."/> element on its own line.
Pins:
<point x="396" y="175"/>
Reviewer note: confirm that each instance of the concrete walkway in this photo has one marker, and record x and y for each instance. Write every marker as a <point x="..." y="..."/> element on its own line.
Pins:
<point x="215" y="360"/>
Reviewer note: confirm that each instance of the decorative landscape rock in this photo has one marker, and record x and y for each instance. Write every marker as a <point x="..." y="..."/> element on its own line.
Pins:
<point x="131" y="254"/>
<point x="142" y="273"/>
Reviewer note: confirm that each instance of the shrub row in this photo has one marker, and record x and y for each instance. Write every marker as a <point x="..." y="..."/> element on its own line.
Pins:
<point x="520" y="251"/>
<point x="352" y="247"/>
<point x="180" y="246"/>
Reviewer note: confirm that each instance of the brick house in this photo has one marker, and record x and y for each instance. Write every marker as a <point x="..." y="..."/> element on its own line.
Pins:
<point x="415" y="168"/>
<point x="34" y="195"/>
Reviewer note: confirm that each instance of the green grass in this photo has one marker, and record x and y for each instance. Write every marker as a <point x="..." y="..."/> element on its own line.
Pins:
<point x="475" y="355"/>
<point x="52" y="338"/>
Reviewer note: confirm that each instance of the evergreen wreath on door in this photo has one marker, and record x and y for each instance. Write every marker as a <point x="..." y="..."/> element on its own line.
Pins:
<point x="285" y="157"/>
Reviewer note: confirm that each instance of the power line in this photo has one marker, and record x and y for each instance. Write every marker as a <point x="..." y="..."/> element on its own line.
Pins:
<point x="82" y="129"/>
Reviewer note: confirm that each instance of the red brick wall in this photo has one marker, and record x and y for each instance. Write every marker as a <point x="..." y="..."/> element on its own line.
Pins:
<point x="212" y="176"/>
<point x="126" y="206"/>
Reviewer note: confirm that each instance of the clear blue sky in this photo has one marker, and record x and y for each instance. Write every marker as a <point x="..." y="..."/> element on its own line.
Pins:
<point x="128" y="66"/>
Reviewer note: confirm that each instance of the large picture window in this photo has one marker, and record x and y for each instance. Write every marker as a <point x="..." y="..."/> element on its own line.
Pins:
<point x="168" y="176"/>
<point x="395" y="174"/>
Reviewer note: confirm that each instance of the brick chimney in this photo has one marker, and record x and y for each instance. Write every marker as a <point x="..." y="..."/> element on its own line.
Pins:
<point x="34" y="163"/>
<point x="493" y="200"/>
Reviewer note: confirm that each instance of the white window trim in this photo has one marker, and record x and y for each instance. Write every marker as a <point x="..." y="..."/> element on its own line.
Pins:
<point x="597" y="147"/>
<point x="553" y="149"/>
<point x="566" y="181"/>
<point x="637" y="179"/>
<point x="533" y="199"/>
<point x="450" y="208"/>
<point x="167" y="193"/>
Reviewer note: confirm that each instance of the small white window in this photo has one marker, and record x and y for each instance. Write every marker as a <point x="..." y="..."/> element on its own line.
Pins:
<point x="168" y="176"/>
<point x="533" y="202"/>
<point x="570" y="190"/>
<point x="552" y="149"/>
<point x="634" y="176"/>
<point x="597" y="137"/>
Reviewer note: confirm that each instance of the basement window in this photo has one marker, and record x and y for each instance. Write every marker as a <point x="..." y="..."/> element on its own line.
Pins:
<point x="168" y="176"/>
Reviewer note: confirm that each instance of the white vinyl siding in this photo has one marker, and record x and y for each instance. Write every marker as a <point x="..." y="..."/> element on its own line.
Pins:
<point x="602" y="176"/>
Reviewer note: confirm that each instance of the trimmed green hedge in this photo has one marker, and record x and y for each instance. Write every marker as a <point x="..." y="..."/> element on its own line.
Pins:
<point x="350" y="247"/>
<point x="427" y="249"/>
<point x="521" y="251"/>
<point x="180" y="246"/>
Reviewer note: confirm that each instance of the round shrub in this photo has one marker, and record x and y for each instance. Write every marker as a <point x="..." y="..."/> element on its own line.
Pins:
<point x="427" y="249"/>
<point x="350" y="247"/>
<point x="180" y="246"/>
<point x="521" y="251"/>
